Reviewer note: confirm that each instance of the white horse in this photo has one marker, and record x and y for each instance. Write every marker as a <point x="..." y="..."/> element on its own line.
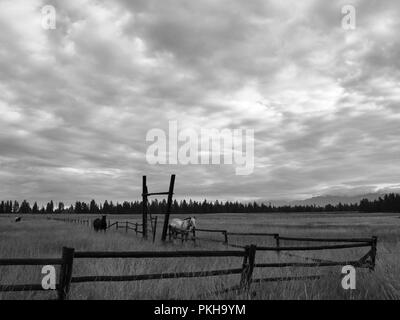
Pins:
<point x="181" y="226"/>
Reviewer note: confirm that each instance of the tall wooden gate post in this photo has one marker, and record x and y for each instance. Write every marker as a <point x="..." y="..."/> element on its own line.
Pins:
<point x="65" y="273"/>
<point x="144" y="203"/>
<point x="169" y="205"/>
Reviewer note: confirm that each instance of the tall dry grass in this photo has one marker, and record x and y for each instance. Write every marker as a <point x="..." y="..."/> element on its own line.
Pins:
<point x="36" y="237"/>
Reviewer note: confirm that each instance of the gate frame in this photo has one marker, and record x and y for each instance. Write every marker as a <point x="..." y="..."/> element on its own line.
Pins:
<point x="145" y="195"/>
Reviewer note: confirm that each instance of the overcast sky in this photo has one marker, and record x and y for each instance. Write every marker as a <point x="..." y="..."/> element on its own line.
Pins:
<point x="76" y="102"/>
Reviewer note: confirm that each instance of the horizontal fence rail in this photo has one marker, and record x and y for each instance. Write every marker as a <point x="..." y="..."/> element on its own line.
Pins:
<point x="211" y="230"/>
<point x="314" y="248"/>
<point x="29" y="262"/>
<point x="327" y="239"/>
<point x="159" y="254"/>
<point x="300" y="264"/>
<point x="21" y="287"/>
<point x="253" y="234"/>
<point x="294" y="278"/>
<point x="195" y="274"/>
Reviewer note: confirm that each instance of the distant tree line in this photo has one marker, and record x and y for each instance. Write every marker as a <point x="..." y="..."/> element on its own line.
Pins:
<point x="389" y="203"/>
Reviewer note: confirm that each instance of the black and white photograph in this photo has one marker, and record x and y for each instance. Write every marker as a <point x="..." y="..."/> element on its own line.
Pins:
<point x="179" y="151"/>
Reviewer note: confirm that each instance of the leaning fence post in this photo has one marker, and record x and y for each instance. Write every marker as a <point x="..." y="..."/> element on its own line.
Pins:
<point x="144" y="207"/>
<point x="169" y="205"/>
<point x="373" y="252"/>
<point x="65" y="273"/>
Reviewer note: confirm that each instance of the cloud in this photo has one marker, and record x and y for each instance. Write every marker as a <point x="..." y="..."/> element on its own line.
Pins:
<point x="76" y="102"/>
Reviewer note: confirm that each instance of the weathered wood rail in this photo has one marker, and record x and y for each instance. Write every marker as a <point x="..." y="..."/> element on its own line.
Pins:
<point x="69" y="254"/>
<point x="226" y="234"/>
<point x="184" y="236"/>
<point x="125" y="225"/>
<point x="355" y="242"/>
<point x="277" y="237"/>
<point x="248" y="254"/>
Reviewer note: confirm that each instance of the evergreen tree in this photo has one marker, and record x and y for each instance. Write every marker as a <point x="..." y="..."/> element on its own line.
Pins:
<point x="35" y="208"/>
<point x="25" y="207"/>
<point x="15" y="208"/>
<point x="50" y="207"/>
<point x="93" y="207"/>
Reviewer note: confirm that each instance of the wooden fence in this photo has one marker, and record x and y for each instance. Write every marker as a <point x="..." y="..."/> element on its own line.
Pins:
<point x="225" y="234"/>
<point x="185" y="236"/>
<point x="125" y="225"/>
<point x="344" y="243"/>
<point x="69" y="254"/>
<point x="135" y="226"/>
<point x="248" y="253"/>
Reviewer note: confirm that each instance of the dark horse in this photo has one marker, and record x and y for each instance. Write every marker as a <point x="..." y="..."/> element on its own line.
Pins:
<point x="100" y="224"/>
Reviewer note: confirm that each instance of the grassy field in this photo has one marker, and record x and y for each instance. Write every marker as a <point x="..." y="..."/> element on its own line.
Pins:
<point x="36" y="236"/>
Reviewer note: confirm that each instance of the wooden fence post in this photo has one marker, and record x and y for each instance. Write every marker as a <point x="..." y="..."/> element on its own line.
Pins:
<point x="169" y="205"/>
<point x="65" y="273"/>
<point x="252" y="258"/>
<point x="276" y="236"/>
<point x="245" y="266"/>
<point x="116" y="225"/>
<point x="373" y="252"/>
<point x="155" y="228"/>
<point x="126" y="226"/>
<point x="225" y="237"/>
<point x="248" y="267"/>
<point x="144" y="205"/>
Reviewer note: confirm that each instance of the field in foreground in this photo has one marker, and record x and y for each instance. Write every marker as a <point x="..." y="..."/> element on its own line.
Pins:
<point x="36" y="236"/>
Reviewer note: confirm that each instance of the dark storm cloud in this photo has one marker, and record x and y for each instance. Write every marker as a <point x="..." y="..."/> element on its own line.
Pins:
<point x="76" y="102"/>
